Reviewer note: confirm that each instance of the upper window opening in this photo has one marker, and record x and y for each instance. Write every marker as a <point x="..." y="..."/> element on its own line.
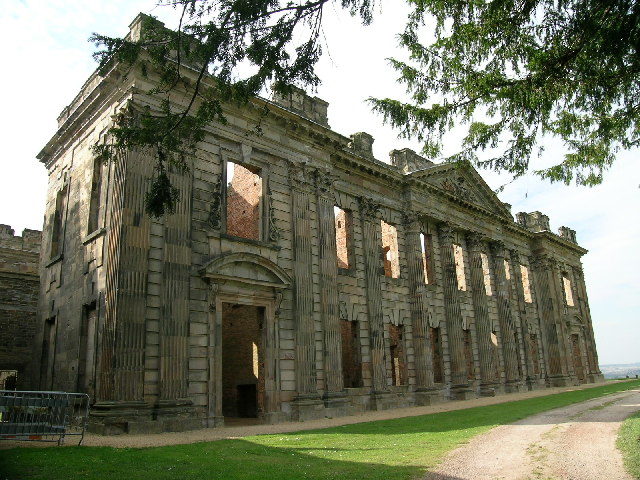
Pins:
<point x="344" y="237"/>
<point x="507" y="270"/>
<point x="486" y="273"/>
<point x="458" y="255"/>
<point x="57" y="232"/>
<point x="390" y="250"/>
<point x="244" y="201"/>
<point x="526" y="286"/>
<point x="94" y="200"/>
<point x="426" y="245"/>
<point x="568" y="293"/>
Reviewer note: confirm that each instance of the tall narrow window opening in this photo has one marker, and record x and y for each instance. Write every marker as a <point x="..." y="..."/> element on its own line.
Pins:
<point x="468" y="354"/>
<point x="396" y="349"/>
<point x="459" y="259"/>
<point x="244" y="201"/>
<point x="57" y="231"/>
<point x="533" y="353"/>
<point x="436" y="352"/>
<point x="426" y="245"/>
<point x="87" y="352"/>
<point x="344" y="236"/>
<point x="351" y="365"/>
<point x="390" y="250"/>
<point x="95" y="206"/>
<point x="486" y="273"/>
<point x="568" y="293"/>
<point x="47" y="359"/>
<point x="526" y="286"/>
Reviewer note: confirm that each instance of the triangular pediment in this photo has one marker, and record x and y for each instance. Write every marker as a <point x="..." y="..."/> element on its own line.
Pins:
<point x="246" y="268"/>
<point x="463" y="183"/>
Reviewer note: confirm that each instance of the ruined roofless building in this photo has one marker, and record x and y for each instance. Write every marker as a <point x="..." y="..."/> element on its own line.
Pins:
<point x="298" y="278"/>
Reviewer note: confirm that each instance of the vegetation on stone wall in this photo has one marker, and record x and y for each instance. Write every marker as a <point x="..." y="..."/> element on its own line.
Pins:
<point x="510" y="71"/>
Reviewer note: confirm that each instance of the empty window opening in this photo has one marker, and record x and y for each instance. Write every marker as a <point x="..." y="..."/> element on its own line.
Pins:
<point x="57" y="232"/>
<point x="496" y="355"/>
<point x="486" y="274"/>
<point x="390" y="250"/>
<point x="243" y="385"/>
<point x="344" y="237"/>
<point x="436" y="353"/>
<point x="244" y="201"/>
<point x="351" y="365"/>
<point x="526" y="286"/>
<point x="426" y="245"/>
<point x="458" y="255"/>
<point x="517" y="344"/>
<point x="8" y="379"/>
<point x="396" y="349"/>
<point x="534" y="353"/>
<point x="48" y="353"/>
<point x="87" y="352"/>
<point x="507" y="270"/>
<point x="468" y="354"/>
<point x="94" y="200"/>
<point x="568" y="293"/>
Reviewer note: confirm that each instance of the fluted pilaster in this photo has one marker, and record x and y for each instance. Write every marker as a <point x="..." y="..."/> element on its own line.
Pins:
<point x="329" y="284"/>
<point x="453" y="314"/>
<point x="419" y="310"/>
<point x="585" y="312"/>
<point x="371" y="242"/>
<point x="301" y="178"/>
<point x="484" y="328"/>
<point x="505" y="317"/>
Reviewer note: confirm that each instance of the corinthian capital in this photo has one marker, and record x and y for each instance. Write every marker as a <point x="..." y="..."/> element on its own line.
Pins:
<point x="369" y="209"/>
<point x="445" y="233"/>
<point x="475" y="241"/>
<point x="498" y="249"/>
<point x="301" y="176"/>
<point x="324" y="183"/>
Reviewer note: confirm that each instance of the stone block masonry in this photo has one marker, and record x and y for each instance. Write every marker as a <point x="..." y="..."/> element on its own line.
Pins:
<point x="19" y="288"/>
<point x="315" y="281"/>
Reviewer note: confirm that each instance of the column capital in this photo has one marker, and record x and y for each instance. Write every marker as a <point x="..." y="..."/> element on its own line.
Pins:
<point x="515" y="255"/>
<point x="445" y="232"/>
<point x="325" y="181"/>
<point x="475" y="240"/>
<point x="301" y="176"/>
<point x="543" y="262"/>
<point x="368" y="208"/>
<point x="498" y="249"/>
<point x="412" y="221"/>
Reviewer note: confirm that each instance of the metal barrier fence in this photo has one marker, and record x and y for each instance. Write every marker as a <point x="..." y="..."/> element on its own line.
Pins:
<point x="43" y="416"/>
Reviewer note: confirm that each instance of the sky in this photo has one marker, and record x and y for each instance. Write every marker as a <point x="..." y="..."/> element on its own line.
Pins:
<point x="46" y="58"/>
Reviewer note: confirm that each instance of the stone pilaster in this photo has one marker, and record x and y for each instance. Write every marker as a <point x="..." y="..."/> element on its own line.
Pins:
<point x="453" y="315"/>
<point x="371" y="243"/>
<point x="542" y="268"/>
<point x="505" y="317"/>
<point x="302" y="188"/>
<point x="523" y="327"/>
<point x="481" y="312"/>
<point x="594" y="369"/>
<point x="334" y="387"/>
<point x="426" y="392"/>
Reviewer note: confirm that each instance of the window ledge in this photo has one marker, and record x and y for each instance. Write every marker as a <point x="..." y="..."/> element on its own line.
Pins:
<point x="93" y="235"/>
<point x="349" y="272"/>
<point x="54" y="260"/>
<point x="249" y="241"/>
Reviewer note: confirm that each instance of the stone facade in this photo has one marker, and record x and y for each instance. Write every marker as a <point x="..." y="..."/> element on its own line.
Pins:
<point x="19" y="288"/>
<point x="143" y="313"/>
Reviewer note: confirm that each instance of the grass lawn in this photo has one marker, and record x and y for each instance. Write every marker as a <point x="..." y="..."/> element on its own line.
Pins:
<point x="629" y="444"/>
<point x="386" y="450"/>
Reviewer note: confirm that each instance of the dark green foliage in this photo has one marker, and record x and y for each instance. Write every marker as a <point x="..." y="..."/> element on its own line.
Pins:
<point x="513" y="71"/>
<point x="214" y="37"/>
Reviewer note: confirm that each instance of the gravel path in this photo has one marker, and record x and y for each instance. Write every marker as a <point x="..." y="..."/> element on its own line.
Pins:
<point x="570" y="443"/>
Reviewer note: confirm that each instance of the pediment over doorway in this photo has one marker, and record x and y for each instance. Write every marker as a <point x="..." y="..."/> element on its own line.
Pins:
<point x="247" y="268"/>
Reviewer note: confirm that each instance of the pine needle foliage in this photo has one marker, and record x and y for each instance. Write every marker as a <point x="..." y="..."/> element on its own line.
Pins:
<point x="513" y="71"/>
<point x="217" y="38"/>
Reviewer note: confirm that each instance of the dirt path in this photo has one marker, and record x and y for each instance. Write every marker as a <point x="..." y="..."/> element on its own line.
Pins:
<point x="570" y="443"/>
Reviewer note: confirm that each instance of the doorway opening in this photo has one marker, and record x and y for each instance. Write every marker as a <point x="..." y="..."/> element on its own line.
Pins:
<point x="577" y="357"/>
<point x="243" y="386"/>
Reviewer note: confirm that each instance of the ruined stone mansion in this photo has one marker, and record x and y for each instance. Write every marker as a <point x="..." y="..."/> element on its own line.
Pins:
<point x="298" y="278"/>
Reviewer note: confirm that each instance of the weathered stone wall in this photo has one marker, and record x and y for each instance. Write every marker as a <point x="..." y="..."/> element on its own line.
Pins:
<point x="19" y="286"/>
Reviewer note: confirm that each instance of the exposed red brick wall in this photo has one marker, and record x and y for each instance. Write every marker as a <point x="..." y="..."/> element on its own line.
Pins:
<point x="390" y="250"/>
<point x="242" y="365"/>
<point x="343" y="237"/>
<point x="351" y="364"/>
<point x="244" y="195"/>
<point x="398" y="358"/>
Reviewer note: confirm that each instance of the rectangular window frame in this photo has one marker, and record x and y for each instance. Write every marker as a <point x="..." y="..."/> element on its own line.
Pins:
<point x="395" y="272"/>
<point x="350" y="243"/>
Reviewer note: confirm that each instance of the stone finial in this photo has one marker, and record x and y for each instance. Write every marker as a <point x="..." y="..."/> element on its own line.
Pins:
<point x="568" y="234"/>
<point x="409" y="161"/>
<point x="362" y="142"/>
<point x="297" y="101"/>
<point x="141" y="22"/>
<point x="534" y="221"/>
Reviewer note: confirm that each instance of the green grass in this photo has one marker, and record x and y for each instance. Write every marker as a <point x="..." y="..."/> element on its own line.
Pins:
<point x="403" y="448"/>
<point x="629" y="444"/>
